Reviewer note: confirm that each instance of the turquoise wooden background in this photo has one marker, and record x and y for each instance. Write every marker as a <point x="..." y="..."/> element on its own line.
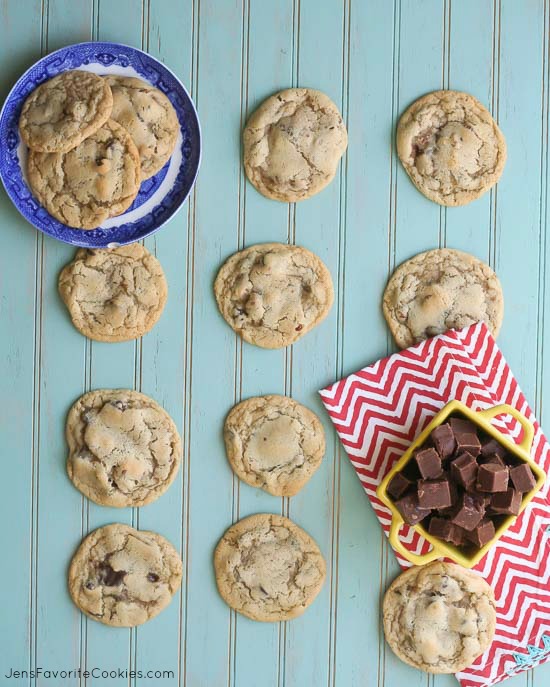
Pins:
<point x="373" y="57"/>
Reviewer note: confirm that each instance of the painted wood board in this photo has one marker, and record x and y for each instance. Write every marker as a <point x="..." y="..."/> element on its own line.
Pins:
<point x="373" y="57"/>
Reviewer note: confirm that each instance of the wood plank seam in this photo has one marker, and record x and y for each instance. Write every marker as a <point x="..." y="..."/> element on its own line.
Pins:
<point x="336" y="452"/>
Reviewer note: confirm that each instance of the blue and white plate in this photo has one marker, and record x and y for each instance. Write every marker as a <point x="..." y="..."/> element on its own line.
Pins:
<point x="159" y="197"/>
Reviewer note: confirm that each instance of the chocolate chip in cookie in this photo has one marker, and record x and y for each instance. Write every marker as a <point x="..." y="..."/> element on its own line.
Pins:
<point x="293" y="143"/>
<point x="272" y="294"/>
<point x="274" y="443"/>
<point x="123" y="577"/>
<point x="450" y="147"/>
<point x="63" y="111"/>
<point x="268" y="568"/>
<point x="77" y="188"/>
<point x="124" y="449"/>
<point x="149" y="117"/>
<point x="439" y="617"/>
<point x="438" y="290"/>
<point x="114" y="295"/>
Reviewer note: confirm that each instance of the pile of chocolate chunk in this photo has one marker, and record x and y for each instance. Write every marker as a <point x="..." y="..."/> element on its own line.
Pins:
<point x="461" y="484"/>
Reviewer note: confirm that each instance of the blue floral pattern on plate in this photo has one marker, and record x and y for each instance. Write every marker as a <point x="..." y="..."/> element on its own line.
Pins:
<point x="159" y="197"/>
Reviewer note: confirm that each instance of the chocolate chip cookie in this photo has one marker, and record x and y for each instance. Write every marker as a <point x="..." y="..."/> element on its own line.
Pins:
<point x="94" y="181"/>
<point x="268" y="569"/>
<point x="124" y="449"/>
<point x="122" y="577"/>
<point x="439" y="290"/>
<point x="114" y="295"/>
<point x="62" y="112"/>
<point x="149" y="118"/>
<point x="272" y="294"/>
<point x="439" y="617"/>
<point x="293" y="143"/>
<point x="274" y="443"/>
<point x="451" y="147"/>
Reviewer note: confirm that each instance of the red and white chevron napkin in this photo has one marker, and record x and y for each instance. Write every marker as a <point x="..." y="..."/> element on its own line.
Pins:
<point x="377" y="413"/>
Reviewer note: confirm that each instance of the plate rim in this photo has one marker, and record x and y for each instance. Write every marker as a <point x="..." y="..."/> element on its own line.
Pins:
<point x="199" y="141"/>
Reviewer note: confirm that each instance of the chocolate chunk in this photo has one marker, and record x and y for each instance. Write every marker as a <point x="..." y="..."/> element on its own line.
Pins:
<point x="153" y="577"/>
<point x="464" y="470"/>
<point x="441" y="528"/>
<point x="410" y="471"/>
<point x="493" y="446"/>
<point x="410" y="509"/>
<point x="429" y="463"/>
<point x="506" y="503"/>
<point x="434" y="493"/>
<point x="444" y="440"/>
<point x="469" y="511"/>
<point x="522" y="478"/>
<point x="110" y="577"/>
<point x="90" y="585"/>
<point x="461" y="426"/>
<point x="459" y="536"/>
<point x="492" y="478"/>
<point x="493" y="458"/>
<point x="482" y="534"/>
<point x="449" y="510"/>
<point x="398" y="485"/>
<point x="468" y="442"/>
<point x="483" y="496"/>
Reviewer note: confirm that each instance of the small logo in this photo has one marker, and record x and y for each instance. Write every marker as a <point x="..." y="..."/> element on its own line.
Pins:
<point x="534" y="656"/>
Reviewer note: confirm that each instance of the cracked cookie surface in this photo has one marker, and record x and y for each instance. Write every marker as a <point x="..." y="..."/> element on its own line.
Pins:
<point x="439" y="617"/>
<point x="438" y="290"/>
<point x="114" y="295"/>
<point x="62" y="112"/>
<point x="124" y="449"/>
<point x="451" y="147"/>
<point x="268" y="568"/>
<point x="149" y="118"/>
<point x="274" y="443"/>
<point x="123" y="577"/>
<point x="98" y="179"/>
<point x="293" y="143"/>
<point x="272" y="294"/>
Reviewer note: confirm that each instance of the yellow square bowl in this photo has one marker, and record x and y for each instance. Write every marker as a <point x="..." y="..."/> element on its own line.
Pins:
<point x="482" y="419"/>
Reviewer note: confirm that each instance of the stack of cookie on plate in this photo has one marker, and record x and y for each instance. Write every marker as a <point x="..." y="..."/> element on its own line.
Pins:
<point x="92" y="140"/>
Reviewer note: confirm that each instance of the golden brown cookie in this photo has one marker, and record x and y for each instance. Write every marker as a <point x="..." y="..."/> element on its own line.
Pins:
<point x="98" y="179"/>
<point x="149" y="117"/>
<point x="451" y="147"/>
<point x="272" y="294"/>
<point x="438" y="290"/>
<point x="114" y="295"/>
<point x="274" y="443"/>
<point x="439" y="617"/>
<point x="293" y="143"/>
<point x="124" y="449"/>
<point x="62" y="112"/>
<point x="122" y="577"/>
<point x="268" y="568"/>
